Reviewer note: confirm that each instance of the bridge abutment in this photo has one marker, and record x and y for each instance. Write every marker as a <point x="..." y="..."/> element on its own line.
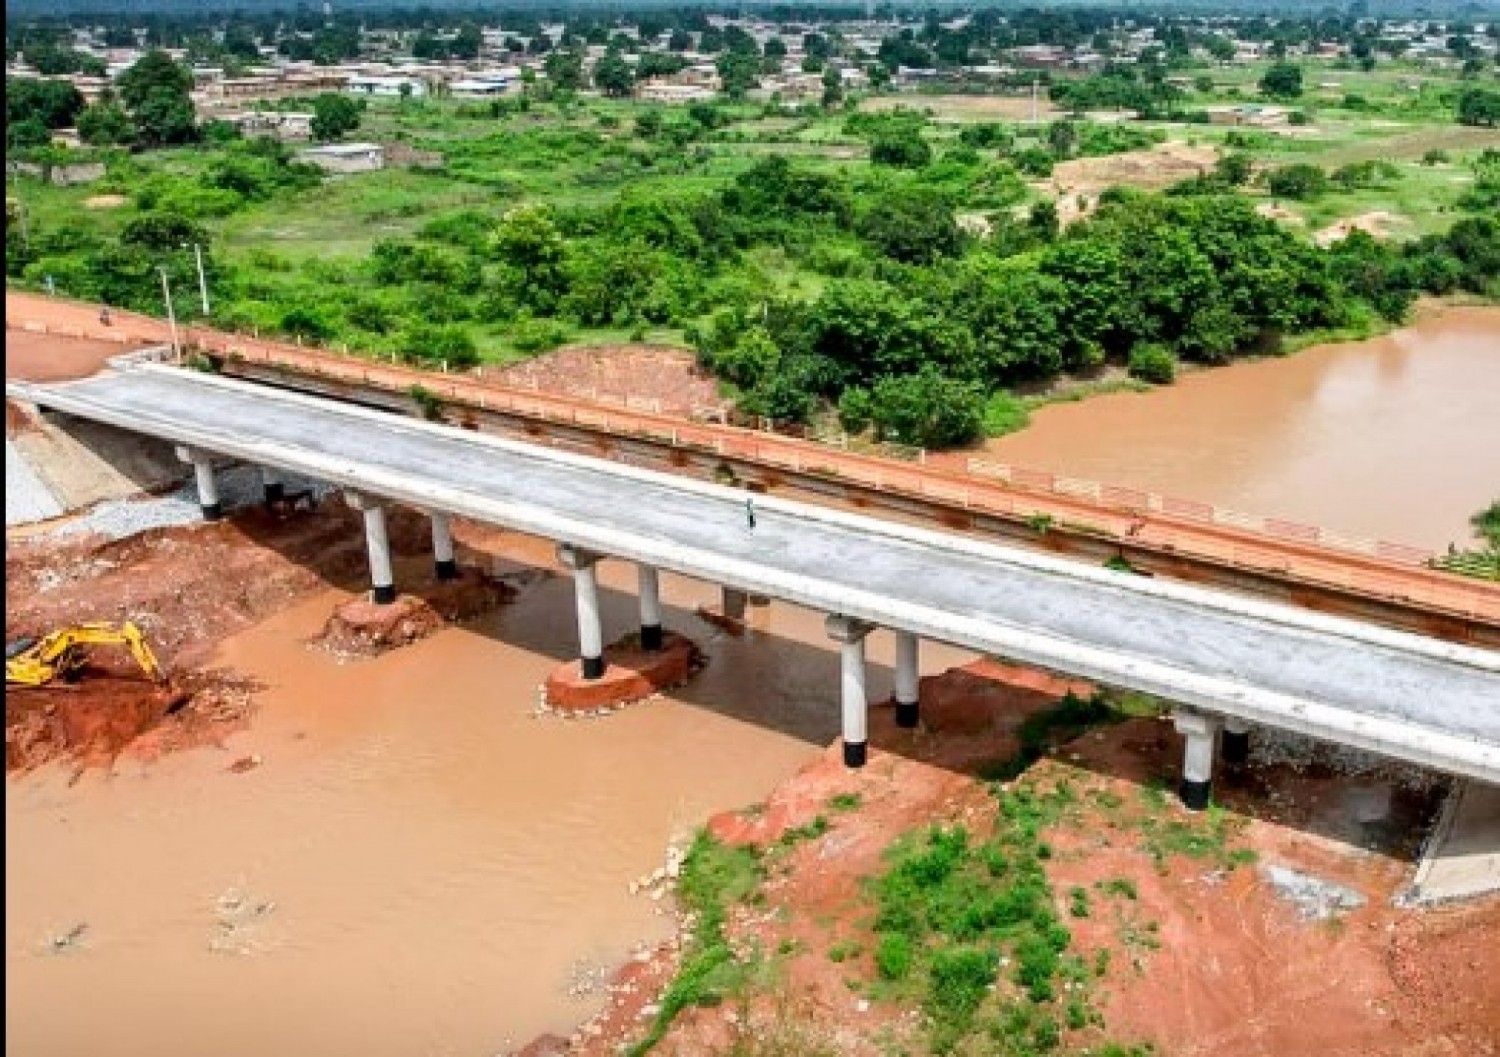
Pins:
<point x="377" y="541"/>
<point x="1200" y="732"/>
<point x="586" y="593"/>
<point x="850" y="635"/>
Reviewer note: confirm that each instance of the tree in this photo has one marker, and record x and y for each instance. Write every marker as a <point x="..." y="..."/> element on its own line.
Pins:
<point x="1234" y="168"/>
<point x="1062" y="137"/>
<point x="564" y="70"/>
<point x="1301" y="180"/>
<point x="914" y="225"/>
<point x="927" y="408"/>
<point x="156" y="92"/>
<point x="613" y="77"/>
<point x="334" y="115"/>
<point x="28" y="133"/>
<point x="739" y="71"/>
<point x="105" y="124"/>
<point x="833" y="88"/>
<point x="1282" y="81"/>
<point x="528" y="244"/>
<point x="54" y="104"/>
<point x="900" y="146"/>
<point x="1479" y="106"/>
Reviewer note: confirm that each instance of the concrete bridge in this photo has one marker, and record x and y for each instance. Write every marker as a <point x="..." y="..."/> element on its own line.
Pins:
<point x="1228" y="662"/>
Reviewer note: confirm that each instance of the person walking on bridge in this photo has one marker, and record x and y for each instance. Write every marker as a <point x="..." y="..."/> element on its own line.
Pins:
<point x="750" y="513"/>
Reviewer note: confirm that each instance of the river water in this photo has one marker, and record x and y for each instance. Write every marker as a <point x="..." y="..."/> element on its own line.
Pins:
<point x="1396" y="438"/>
<point x="418" y="866"/>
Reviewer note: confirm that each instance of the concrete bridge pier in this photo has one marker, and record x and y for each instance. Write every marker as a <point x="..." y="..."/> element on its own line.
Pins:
<point x="1234" y="747"/>
<point x="444" y="564"/>
<point x="586" y="591"/>
<point x="650" y="591"/>
<point x="1200" y="732"/>
<point x="203" y="476"/>
<point x="382" y="580"/>
<point x="273" y="489"/>
<point x="907" y="686"/>
<point x="850" y="635"/>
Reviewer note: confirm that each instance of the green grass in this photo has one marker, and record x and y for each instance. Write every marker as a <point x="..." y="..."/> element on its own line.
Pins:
<point x="714" y="878"/>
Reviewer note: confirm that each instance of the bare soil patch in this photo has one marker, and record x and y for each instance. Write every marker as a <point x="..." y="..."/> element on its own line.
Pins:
<point x="186" y="588"/>
<point x="1164" y="164"/>
<point x="646" y="377"/>
<point x="1197" y="952"/>
<point x="1376" y="224"/>
<point x="105" y="201"/>
<point x="51" y="358"/>
<point x="968" y="107"/>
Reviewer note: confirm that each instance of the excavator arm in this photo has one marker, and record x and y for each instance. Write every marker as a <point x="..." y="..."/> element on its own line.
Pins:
<point x="60" y="654"/>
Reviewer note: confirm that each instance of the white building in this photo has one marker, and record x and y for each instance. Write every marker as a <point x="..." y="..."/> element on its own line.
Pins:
<point x="345" y="157"/>
<point x="384" y="86"/>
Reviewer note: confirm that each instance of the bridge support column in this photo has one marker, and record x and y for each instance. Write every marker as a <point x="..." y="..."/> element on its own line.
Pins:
<point x="650" y="591"/>
<point x="208" y="487"/>
<point x="586" y="591"/>
<point x="382" y="580"/>
<point x="1200" y="732"/>
<point x="850" y="634"/>
<point x="734" y="603"/>
<point x="1234" y="746"/>
<point x="907" y="686"/>
<point x="442" y="547"/>
<point x="272" y="488"/>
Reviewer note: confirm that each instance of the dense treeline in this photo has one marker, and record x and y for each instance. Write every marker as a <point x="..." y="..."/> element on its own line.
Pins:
<point x="918" y="322"/>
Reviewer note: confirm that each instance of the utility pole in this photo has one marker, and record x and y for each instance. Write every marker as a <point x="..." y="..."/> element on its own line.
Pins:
<point x="202" y="282"/>
<point x="166" y="293"/>
<point x="1033" y="101"/>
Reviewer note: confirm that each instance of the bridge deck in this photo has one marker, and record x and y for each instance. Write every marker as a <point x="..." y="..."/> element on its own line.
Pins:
<point x="1411" y="697"/>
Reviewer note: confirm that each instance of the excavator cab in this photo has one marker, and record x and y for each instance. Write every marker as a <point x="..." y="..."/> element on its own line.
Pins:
<point x="60" y="654"/>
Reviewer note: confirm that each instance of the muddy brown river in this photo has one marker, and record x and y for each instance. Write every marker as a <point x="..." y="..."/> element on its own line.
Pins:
<point x="419" y="867"/>
<point x="1396" y="438"/>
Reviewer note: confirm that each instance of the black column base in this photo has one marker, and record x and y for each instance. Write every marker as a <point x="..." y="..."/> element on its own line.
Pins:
<point x="907" y="713"/>
<point x="274" y="492"/>
<point x="855" y="753"/>
<point x="447" y="570"/>
<point x="383" y="594"/>
<point x="651" y="637"/>
<point x="212" y="512"/>
<point x="593" y="667"/>
<point x="1195" y="795"/>
<point x="1235" y="748"/>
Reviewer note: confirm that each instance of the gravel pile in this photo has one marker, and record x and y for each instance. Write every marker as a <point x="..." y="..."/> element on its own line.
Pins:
<point x="1314" y="898"/>
<point x="118" y="518"/>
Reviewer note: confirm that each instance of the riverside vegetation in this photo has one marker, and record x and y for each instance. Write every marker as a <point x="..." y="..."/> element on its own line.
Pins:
<point x="891" y="267"/>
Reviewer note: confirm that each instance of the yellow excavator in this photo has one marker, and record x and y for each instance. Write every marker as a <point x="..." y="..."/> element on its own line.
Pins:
<point x="61" y="654"/>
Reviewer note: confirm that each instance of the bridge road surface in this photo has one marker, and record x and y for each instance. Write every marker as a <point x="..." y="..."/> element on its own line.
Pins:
<point x="1429" y="702"/>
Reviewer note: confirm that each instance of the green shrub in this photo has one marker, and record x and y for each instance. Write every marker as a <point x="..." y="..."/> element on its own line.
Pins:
<point x="538" y="335"/>
<point x="893" y="956"/>
<point x="1153" y="363"/>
